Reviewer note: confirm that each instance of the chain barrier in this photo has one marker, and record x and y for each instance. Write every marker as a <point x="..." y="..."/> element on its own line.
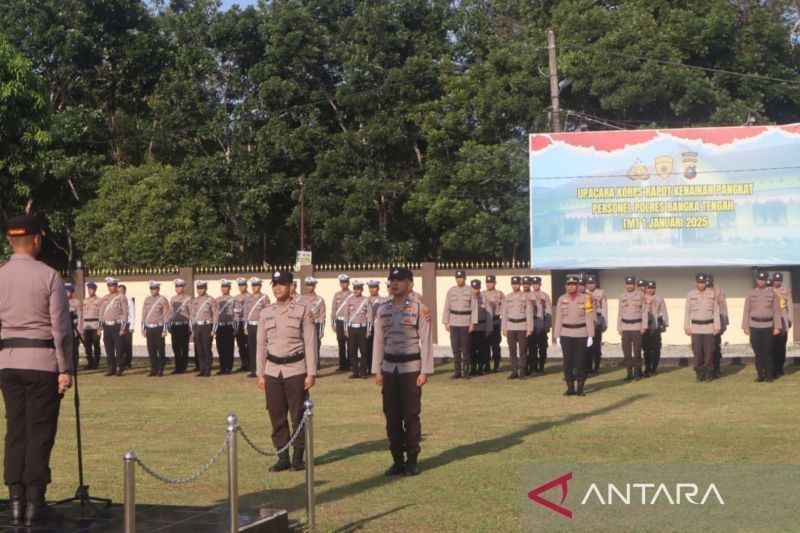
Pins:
<point x="179" y="481"/>
<point x="268" y="453"/>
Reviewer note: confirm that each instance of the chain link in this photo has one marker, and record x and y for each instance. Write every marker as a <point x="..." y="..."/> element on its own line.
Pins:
<point x="189" y="479"/>
<point x="267" y="453"/>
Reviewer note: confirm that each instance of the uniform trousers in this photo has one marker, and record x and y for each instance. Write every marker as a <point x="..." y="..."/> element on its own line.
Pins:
<point x="402" y="404"/>
<point x="76" y="344"/>
<point x="202" y="348"/>
<point x="285" y="396"/>
<point x="494" y="344"/>
<point x="573" y="350"/>
<point x="703" y="351"/>
<point x="225" y="347"/>
<point x="651" y="345"/>
<point x="32" y="404"/>
<point x="156" y="349"/>
<point x="357" y="342"/>
<point x="180" y="346"/>
<point x="762" y="340"/>
<point x="341" y="340"/>
<point x="241" y="344"/>
<point x="595" y="351"/>
<point x="127" y="349"/>
<point x="530" y="360"/>
<point x="319" y="328"/>
<point x="113" y="344"/>
<point x="370" y="344"/>
<point x="479" y="346"/>
<point x="518" y="339"/>
<point x="632" y="348"/>
<point x="459" y="343"/>
<point x="717" y="352"/>
<point x="92" y="347"/>
<point x="779" y="351"/>
<point x="252" y="346"/>
<point x="540" y="350"/>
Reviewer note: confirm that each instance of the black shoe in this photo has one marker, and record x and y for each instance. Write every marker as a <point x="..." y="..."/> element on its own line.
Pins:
<point x="297" y="460"/>
<point x="629" y="375"/>
<point x="701" y="375"/>
<point x="411" y="465"/>
<point x="709" y="376"/>
<point x="581" y="383"/>
<point x="282" y="464"/>
<point x="514" y="374"/>
<point x="570" y="388"/>
<point x="119" y="371"/>
<point x="353" y="376"/>
<point x="637" y="374"/>
<point x="397" y="469"/>
<point x="646" y="374"/>
<point x="38" y="513"/>
<point x="110" y="372"/>
<point x="151" y="374"/>
<point x="18" y="503"/>
<point x="759" y="379"/>
<point x="242" y="369"/>
<point x="456" y="375"/>
<point x="251" y="375"/>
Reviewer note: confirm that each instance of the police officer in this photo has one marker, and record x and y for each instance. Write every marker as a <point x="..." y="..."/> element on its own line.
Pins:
<point x="600" y="306"/>
<point x="641" y="286"/>
<point x="375" y="300"/>
<point x="517" y="325"/>
<point x="722" y="301"/>
<point x="787" y="316"/>
<point x="316" y="304"/>
<point x="494" y="299"/>
<point x="761" y="320"/>
<point x="204" y="314"/>
<point x="456" y="319"/>
<point x="75" y="312"/>
<point x="179" y="326"/>
<point x="480" y="329"/>
<point x="90" y="326"/>
<point x="574" y="332"/>
<point x="156" y="313"/>
<point x="631" y="325"/>
<point x="541" y="325"/>
<point x="224" y="327"/>
<point x="251" y="311"/>
<point x="702" y="322"/>
<point x="113" y="317"/>
<point x="338" y="304"/>
<point x="240" y="326"/>
<point x="286" y="366"/>
<point x="657" y="323"/>
<point x="529" y="355"/>
<point x="127" y="339"/>
<point x="357" y="315"/>
<point x="36" y="363"/>
<point x="402" y="361"/>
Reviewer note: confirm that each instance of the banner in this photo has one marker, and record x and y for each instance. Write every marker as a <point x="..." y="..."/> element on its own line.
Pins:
<point x="673" y="197"/>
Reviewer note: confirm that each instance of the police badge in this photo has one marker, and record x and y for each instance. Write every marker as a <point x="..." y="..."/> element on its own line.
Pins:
<point x="664" y="165"/>
<point x="689" y="165"/>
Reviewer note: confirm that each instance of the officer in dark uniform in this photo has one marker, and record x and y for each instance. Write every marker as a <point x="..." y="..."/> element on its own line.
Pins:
<point x="36" y="363"/>
<point x="90" y="326"/>
<point x="761" y="320"/>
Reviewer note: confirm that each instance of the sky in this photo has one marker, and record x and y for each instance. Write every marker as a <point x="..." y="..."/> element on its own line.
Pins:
<point x="226" y="4"/>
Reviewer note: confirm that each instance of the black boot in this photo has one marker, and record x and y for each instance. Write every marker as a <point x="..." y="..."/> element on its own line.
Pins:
<point x="570" y="387"/>
<point x="496" y="365"/>
<point x="514" y="374"/>
<point x="629" y="376"/>
<point x="283" y="462"/>
<point x="16" y="495"/>
<point x="398" y="467"/>
<point x="411" y="465"/>
<point x="297" y="460"/>
<point x="580" y="392"/>
<point x="466" y="371"/>
<point x="701" y="375"/>
<point x="457" y="373"/>
<point x="36" y="511"/>
<point x="709" y="375"/>
<point x="760" y="376"/>
<point x="637" y="374"/>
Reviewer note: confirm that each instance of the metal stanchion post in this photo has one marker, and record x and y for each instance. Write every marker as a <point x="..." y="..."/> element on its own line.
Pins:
<point x="309" y="405"/>
<point x="233" y="475"/>
<point x="130" y="492"/>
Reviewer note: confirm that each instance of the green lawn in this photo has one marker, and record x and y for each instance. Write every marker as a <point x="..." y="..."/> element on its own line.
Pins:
<point x="477" y="436"/>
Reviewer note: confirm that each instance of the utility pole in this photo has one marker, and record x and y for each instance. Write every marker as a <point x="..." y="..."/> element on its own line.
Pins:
<point x="302" y="213"/>
<point x="555" y="113"/>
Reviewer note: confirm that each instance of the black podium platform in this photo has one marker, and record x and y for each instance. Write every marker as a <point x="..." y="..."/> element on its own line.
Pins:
<point x="152" y="518"/>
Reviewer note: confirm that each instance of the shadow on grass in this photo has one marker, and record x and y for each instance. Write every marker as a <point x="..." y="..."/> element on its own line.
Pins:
<point x="358" y="524"/>
<point x="352" y="450"/>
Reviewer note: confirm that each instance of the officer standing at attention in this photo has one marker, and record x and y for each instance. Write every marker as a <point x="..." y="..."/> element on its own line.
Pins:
<point x="113" y="317"/>
<point x="375" y="301"/>
<point x="702" y="322"/>
<point x="657" y="323"/>
<point x="179" y="326"/>
<point x="224" y="328"/>
<point x="723" y="321"/>
<point x="542" y="325"/>
<point x="204" y="314"/>
<point x="787" y="316"/>
<point x="240" y="326"/>
<point x="36" y="363"/>
<point x="574" y="332"/>
<point x="402" y="361"/>
<point x="75" y="314"/>
<point x="156" y="313"/>
<point x="251" y="312"/>
<point x="127" y="339"/>
<point x="316" y="304"/>
<point x="530" y="354"/>
<point x="357" y="314"/>
<point x="90" y="326"/>
<point x="286" y="366"/>
<point x="340" y="300"/>
<point x="631" y="324"/>
<point x="456" y="319"/>
<point x="761" y="320"/>
<point x="600" y="306"/>
<point x="494" y="299"/>
<point x="480" y="329"/>
<point x="517" y="325"/>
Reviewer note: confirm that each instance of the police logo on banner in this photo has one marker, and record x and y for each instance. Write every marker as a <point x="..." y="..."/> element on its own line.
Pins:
<point x="689" y="165"/>
<point x="664" y="164"/>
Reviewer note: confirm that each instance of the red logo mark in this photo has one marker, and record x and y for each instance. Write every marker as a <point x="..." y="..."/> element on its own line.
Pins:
<point x="534" y="495"/>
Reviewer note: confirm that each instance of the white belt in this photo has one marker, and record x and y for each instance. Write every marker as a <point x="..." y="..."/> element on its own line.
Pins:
<point x="358" y="325"/>
<point x="224" y="323"/>
<point x="203" y="322"/>
<point x="340" y="318"/>
<point x="112" y="323"/>
<point x="179" y="323"/>
<point x="252" y="323"/>
<point x="156" y="325"/>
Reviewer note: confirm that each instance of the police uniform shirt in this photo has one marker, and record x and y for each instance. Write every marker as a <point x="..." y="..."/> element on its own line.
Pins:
<point x="574" y="317"/>
<point x="545" y="304"/>
<point x="337" y="306"/>
<point x="481" y="315"/>
<point x="535" y="309"/>
<point x="204" y="309"/>
<point x="358" y="312"/>
<point x="76" y="311"/>
<point x="657" y="306"/>
<point x="457" y="306"/>
<point x="599" y="301"/>
<point x="403" y="330"/>
<point x="701" y="315"/>
<point x="494" y="301"/>
<point x="762" y="309"/>
<point x="253" y="305"/>
<point x="722" y="301"/>
<point x="113" y="308"/>
<point x="180" y="308"/>
<point x="225" y="307"/>
<point x="90" y="318"/>
<point x="632" y="314"/>
<point x="785" y="304"/>
<point x="283" y="331"/>
<point x="315" y="305"/>
<point x="156" y="310"/>
<point x="517" y="314"/>
<point x="238" y="305"/>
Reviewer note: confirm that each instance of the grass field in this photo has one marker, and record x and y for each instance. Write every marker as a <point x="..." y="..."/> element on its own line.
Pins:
<point x="477" y="437"/>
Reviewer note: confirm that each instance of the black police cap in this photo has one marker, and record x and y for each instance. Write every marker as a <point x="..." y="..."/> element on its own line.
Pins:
<point x="527" y="280"/>
<point x="516" y="280"/>
<point x="282" y="277"/>
<point x="591" y="278"/>
<point x="536" y="280"/>
<point x="651" y="284"/>
<point x="701" y="278"/>
<point x="475" y="284"/>
<point x="762" y="275"/>
<point x="630" y="280"/>
<point x="490" y="278"/>
<point x="572" y="280"/>
<point x="461" y="273"/>
<point x="777" y="276"/>
<point x="641" y="283"/>
<point x="401" y="274"/>
<point x="24" y="225"/>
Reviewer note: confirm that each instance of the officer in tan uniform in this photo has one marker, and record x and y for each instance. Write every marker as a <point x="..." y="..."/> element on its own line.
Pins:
<point x="113" y="318"/>
<point x="179" y="326"/>
<point x="657" y="323"/>
<point x="761" y="320"/>
<point x="90" y="326"/>
<point x="529" y="355"/>
<point x="631" y="324"/>
<point x="240" y="326"/>
<point x="494" y="299"/>
<point x="574" y="332"/>
<point x="600" y="306"/>
<point x="375" y="300"/>
<point x="402" y="361"/>
<point x="338" y="304"/>
<point x="456" y="319"/>
<point x="357" y="314"/>
<point x="541" y="325"/>
<point x="702" y="322"/>
<point x="723" y="320"/>
<point x="316" y="304"/>
<point x="517" y="323"/>
<point x="36" y="363"/>
<point x="787" y="317"/>
<point x="286" y="366"/>
<point x="250" y="313"/>
<point x="204" y="314"/>
<point x="156" y="314"/>
<point x="480" y="328"/>
<point x="224" y="328"/>
<point x="75" y="313"/>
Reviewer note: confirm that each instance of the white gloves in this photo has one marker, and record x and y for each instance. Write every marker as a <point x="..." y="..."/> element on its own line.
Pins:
<point x="589" y="342"/>
<point x="558" y="341"/>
